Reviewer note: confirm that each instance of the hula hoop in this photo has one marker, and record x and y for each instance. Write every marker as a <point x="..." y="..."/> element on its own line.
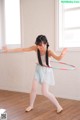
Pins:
<point x="70" y="66"/>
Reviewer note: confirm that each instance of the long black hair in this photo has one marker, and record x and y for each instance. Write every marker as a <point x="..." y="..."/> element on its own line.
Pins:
<point x="39" y="40"/>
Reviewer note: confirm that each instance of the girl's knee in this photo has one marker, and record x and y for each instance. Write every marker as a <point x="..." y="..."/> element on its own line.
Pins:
<point x="44" y="92"/>
<point x="34" y="89"/>
<point x="45" y="89"/>
<point x="34" y="86"/>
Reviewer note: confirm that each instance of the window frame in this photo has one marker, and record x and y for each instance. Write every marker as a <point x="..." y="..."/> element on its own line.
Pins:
<point x="3" y="31"/>
<point x="57" y="27"/>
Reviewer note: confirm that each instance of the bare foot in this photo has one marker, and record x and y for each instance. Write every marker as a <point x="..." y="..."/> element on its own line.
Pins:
<point x="29" y="109"/>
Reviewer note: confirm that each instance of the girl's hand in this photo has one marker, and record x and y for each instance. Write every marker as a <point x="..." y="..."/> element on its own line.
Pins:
<point x="64" y="51"/>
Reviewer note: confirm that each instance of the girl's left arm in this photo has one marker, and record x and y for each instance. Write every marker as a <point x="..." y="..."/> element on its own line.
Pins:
<point x="58" y="57"/>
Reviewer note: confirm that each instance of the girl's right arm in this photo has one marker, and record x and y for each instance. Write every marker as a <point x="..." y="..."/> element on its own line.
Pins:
<point x="32" y="48"/>
<point x="58" y="57"/>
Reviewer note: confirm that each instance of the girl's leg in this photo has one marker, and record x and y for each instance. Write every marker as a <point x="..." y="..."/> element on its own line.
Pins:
<point x="32" y="95"/>
<point x="51" y="97"/>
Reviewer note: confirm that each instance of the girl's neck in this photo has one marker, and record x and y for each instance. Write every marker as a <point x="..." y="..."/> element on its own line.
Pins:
<point x="43" y="52"/>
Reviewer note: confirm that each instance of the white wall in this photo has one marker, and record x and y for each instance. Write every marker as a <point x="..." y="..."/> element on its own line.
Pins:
<point x="17" y="69"/>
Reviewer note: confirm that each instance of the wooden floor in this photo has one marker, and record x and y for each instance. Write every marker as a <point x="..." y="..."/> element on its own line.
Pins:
<point x="15" y="104"/>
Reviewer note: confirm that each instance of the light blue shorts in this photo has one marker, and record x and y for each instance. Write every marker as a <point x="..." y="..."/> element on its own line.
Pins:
<point x="44" y="75"/>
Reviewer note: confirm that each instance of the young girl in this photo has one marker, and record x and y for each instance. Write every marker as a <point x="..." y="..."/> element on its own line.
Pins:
<point x="43" y="75"/>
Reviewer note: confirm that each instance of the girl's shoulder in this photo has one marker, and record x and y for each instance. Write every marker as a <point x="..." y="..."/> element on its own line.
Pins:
<point x="50" y="52"/>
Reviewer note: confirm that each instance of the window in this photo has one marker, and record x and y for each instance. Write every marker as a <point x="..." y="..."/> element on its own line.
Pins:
<point x="67" y="25"/>
<point x="10" y="32"/>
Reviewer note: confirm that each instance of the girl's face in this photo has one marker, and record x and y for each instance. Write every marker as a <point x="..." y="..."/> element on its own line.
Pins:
<point x="42" y="47"/>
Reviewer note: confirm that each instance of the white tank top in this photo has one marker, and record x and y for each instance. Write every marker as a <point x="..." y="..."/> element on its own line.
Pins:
<point x="44" y="60"/>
